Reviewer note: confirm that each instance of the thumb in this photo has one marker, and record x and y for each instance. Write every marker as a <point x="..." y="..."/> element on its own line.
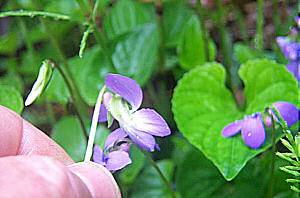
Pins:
<point x="98" y="179"/>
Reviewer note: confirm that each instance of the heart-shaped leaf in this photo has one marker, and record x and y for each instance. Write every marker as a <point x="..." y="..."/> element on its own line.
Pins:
<point x="203" y="106"/>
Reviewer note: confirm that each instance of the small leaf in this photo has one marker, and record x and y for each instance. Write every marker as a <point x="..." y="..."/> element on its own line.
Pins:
<point x="244" y="52"/>
<point x="287" y="144"/>
<point x="124" y="16"/>
<point x="11" y="98"/>
<point x="41" y="82"/>
<point x="135" y="54"/>
<point x="295" y="173"/>
<point x="191" y="48"/>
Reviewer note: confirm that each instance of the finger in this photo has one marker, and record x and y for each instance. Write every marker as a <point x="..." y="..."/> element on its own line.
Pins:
<point x="38" y="176"/>
<point x="98" y="179"/>
<point x="41" y="176"/>
<point x="18" y="137"/>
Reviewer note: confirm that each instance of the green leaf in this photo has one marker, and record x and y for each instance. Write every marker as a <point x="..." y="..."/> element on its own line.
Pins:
<point x="130" y="172"/>
<point x="150" y="185"/>
<point x="244" y="52"/>
<point x="124" y="16"/>
<point x="203" y="106"/>
<point x="191" y="48"/>
<point x="89" y="73"/>
<point x="174" y="18"/>
<point x="67" y="132"/>
<point x="135" y="54"/>
<point x="11" y="98"/>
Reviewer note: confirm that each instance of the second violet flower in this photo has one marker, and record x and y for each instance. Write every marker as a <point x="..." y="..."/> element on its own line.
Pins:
<point x="140" y="125"/>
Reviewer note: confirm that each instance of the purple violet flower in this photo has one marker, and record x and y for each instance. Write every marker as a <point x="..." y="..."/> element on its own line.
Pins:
<point x="291" y="50"/>
<point x="252" y="127"/>
<point x="140" y="125"/>
<point x="112" y="160"/>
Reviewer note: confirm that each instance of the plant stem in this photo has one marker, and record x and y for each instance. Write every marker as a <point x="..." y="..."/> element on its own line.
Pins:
<point x="259" y="26"/>
<point x="157" y="169"/>
<point x="80" y="106"/>
<point x="84" y="7"/>
<point x="276" y="18"/>
<point x="203" y="29"/>
<point x="28" y="13"/>
<point x="84" y="39"/>
<point x="100" y="38"/>
<point x="89" y="149"/>
<point x="273" y="158"/>
<point x="240" y="22"/>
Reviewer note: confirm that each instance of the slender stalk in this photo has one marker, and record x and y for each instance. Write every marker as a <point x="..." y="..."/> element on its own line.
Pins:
<point x="89" y="149"/>
<point x="273" y="159"/>
<point x="259" y="26"/>
<point x="157" y="169"/>
<point x="276" y="17"/>
<point x="240" y="22"/>
<point x="27" y="13"/>
<point x="79" y="104"/>
<point x="203" y="29"/>
<point x="100" y="38"/>
<point x="27" y="40"/>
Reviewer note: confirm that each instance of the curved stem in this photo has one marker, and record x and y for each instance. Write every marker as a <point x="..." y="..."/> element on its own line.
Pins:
<point x="89" y="149"/>
<point x="157" y="169"/>
<point x="28" y="13"/>
<point x="259" y="26"/>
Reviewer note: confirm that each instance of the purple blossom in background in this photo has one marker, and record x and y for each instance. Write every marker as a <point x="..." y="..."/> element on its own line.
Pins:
<point x="140" y="125"/>
<point x="291" y="50"/>
<point x="252" y="127"/>
<point x="112" y="160"/>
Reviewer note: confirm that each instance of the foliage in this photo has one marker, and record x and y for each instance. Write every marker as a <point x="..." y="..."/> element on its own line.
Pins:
<point x="193" y="68"/>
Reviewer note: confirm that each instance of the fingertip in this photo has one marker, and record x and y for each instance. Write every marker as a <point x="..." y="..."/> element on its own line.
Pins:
<point x="11" y="126"/>
<point x="98" y="179"/>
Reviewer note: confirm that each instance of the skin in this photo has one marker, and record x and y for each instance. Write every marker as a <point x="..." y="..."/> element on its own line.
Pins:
<point x="33" y="165"/>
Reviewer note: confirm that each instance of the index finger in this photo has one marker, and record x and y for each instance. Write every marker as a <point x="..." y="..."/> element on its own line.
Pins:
<point x="19" y="137"/>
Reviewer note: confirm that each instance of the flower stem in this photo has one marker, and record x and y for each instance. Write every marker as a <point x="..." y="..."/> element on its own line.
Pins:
<point x="259" y="26"/>
<point x="157" y="169"/>
<point x="89" y="149"/>
<point x="240" y="22"/>
<point x="273" y="158"/>
<point x="276" y="17"/>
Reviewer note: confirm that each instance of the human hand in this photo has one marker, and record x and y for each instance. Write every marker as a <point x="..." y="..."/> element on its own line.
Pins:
<point x="33" y="165"/>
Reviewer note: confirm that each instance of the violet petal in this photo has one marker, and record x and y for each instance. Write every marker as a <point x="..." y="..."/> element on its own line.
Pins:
<point x="102" y="114"/>
<point x="151" y="122"/>
<point x="288" y="111"/>
<point x="294" y="68"/>
<point x="253" y="131"/>
<point x="113" y="137"/>
<point x="142" y="139"/>
<point x="117" y="160"/>
<point x="232" y="128"/>
<point x="127" y="88"/>
<point x="98" y="155"/>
